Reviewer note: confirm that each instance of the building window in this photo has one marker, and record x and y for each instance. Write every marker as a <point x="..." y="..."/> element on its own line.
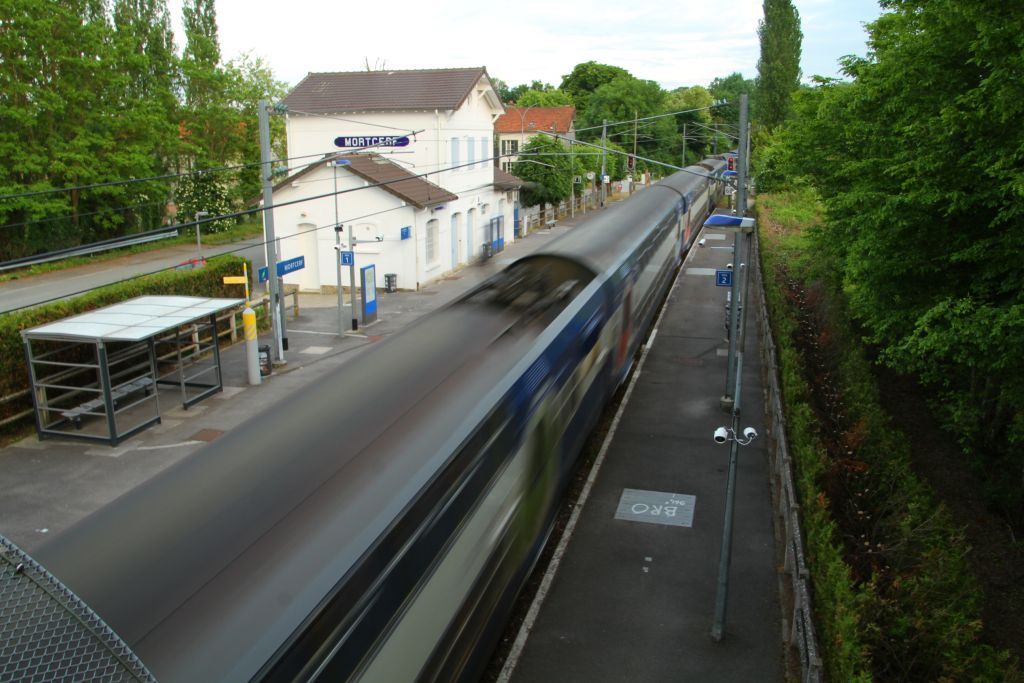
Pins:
<point x="470" y="153"/>
<point x="483" y="152"/>
<point x="510" y="147"/>
<point x="455" y="153"/>
<point x="432" y="231"/>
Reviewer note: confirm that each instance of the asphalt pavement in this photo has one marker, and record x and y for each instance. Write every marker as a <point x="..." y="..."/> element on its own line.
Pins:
<point x="48" y="485"/>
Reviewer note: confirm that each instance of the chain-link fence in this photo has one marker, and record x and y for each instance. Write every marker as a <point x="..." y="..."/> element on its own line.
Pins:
<point x="47" y="634"/>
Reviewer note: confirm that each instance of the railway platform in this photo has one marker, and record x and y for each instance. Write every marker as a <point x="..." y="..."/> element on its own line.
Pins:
<point x="630" y="593"/>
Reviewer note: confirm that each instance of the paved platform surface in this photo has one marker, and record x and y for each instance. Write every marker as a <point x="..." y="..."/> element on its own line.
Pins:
<point x="633" y="596"/>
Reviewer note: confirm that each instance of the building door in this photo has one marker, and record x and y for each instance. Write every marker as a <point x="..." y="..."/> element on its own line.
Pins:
<point x="470" y="216"/>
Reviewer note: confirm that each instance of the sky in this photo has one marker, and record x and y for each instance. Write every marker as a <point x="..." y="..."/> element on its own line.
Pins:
<point x="675" y="43"/>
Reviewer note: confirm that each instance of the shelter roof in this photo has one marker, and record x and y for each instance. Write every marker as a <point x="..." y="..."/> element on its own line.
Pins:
<point x="506" y="181"/>
<point x="133" y="320"/>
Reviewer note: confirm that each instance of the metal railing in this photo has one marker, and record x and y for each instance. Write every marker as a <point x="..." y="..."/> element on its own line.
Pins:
<point x="798" y="626"/>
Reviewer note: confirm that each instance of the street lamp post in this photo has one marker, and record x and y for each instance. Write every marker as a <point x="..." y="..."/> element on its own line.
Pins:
<point x="199" y="243"/>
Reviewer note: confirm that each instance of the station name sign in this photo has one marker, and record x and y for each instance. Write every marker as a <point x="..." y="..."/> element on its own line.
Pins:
<point x="371" y="141"/>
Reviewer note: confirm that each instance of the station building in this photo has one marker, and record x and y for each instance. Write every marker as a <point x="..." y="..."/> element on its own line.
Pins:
<point x="403" y="161"/>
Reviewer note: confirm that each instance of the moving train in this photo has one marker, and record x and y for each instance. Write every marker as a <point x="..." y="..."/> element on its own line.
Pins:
<point x="379" y="525"/>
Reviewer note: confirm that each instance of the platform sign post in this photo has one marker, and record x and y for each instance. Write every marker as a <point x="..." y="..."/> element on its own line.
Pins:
<point x="368" y="283"/>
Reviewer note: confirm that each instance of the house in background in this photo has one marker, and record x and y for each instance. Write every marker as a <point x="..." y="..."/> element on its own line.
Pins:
<point x="419" y="191"/>
<point x="517" y="125"/>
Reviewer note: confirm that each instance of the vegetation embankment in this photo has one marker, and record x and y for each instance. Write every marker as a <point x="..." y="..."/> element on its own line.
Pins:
<point x="206" y="282"/>
<point x="895" y="596"/>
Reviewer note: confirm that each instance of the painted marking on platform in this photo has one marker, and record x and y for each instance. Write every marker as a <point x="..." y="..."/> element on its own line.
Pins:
<point x="721" y="353"/>
<point x="700" y="271"/>
<point x="315" y="350"/>
<point x="656" y="507"/>
<point x="713" y="236"/>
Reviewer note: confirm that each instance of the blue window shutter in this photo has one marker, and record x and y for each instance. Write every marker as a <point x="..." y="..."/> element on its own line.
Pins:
<point x="455" y="152"/>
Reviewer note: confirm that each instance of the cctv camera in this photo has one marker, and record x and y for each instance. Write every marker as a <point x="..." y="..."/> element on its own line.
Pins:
<point x="701" y="242"/>
<point x="749" y="433"/>
<point x="337" y="247"/>
<point x="721" y="435"/>
<point x="728" y="266"/>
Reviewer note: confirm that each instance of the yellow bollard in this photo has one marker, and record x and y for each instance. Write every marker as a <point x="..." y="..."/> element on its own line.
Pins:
<point x="251" y="350"/>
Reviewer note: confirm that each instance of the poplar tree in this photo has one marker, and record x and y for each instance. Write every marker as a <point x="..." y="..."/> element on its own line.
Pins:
<point x="778" y="69"/>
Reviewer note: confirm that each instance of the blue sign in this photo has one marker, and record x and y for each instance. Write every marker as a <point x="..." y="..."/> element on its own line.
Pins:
<point x="723" y="278"/>
<point x="264" y="274"/>
<point x="347" y="258"/>
<point x="292" y="264"/>
<point x="405" y="233"/>
<point x="368" y="284"/>
<point x="371" y="141"/>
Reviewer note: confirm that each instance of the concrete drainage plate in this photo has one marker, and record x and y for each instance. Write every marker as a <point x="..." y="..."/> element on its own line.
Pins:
<point x="206" y="435"/>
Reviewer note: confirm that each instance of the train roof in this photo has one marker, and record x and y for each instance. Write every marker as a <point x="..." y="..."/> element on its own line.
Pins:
<point x="600" y="242"/>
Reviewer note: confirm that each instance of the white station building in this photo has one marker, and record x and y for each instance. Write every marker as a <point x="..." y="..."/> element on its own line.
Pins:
<point x="403" y="162"/>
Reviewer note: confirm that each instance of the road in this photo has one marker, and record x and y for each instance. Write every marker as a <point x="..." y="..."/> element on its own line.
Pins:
<point x="30" y="291"/>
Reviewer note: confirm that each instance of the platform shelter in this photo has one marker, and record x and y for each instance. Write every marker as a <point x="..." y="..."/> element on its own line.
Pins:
<point x="95" y="376"/>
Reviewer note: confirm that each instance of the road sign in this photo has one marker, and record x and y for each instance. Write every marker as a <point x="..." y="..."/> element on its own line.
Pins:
<point x="292" y="264"/>
<point x="723" y="278"/>
<point x="347" y="258"/>
<point x="264" y="274"/>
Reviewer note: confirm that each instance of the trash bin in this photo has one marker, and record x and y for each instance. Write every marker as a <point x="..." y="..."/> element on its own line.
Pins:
<point x="390" y="282"/>
<point x="265" y="365"/>
<point x="488" y="250"/>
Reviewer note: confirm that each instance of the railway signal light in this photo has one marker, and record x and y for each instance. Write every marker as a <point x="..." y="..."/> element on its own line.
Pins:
<point x="732" y="163"/>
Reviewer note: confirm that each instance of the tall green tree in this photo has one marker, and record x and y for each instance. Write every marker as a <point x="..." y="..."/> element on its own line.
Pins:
<point x="585" y="78"/>
<point x="920" y="160"/>
<point x="624" y="101"/>
<point x="778" y="69"/>
<point x="726" y="92"/>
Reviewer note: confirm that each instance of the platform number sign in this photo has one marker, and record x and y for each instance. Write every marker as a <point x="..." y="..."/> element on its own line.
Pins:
<point x="723" y="278"/>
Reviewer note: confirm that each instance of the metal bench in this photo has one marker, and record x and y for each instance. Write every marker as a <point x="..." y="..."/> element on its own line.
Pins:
<point x="74" y="415"/>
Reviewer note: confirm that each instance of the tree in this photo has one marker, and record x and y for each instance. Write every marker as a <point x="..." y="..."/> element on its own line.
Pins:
<point x="548" y="170"/>
<point x="920" y="162"/>
<point x="726" y="91"/>
<point x="539" y="98"/>
<point x="623" y="101"/>
<point x="696" y="102"/>
<point x="778" y="68"/>
<point x="585" y="79"/>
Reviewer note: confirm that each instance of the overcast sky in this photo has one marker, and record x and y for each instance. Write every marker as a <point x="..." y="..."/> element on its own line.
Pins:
<point x="677" y="42"/>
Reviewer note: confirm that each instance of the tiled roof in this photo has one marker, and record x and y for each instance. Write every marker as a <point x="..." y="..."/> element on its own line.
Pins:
<point x="416" y="90"/>
<point x="506" y="181"/>
<point x="528" y="119"/>
<point x="390" y="176"/>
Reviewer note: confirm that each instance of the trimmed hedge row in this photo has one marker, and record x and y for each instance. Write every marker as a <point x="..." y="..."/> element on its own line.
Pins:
<point x="894" y="596"/>
<point x="204" y="282"/>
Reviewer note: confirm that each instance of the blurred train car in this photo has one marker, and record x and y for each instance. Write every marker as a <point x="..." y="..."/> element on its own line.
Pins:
<point x="379" y="525"/>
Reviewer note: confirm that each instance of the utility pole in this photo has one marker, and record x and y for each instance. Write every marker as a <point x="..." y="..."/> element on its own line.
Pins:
<point x="604" y="152"/>
<point x="270" y="242"/>
<point x="572" y="186"/>
<point x="633" y="171"/>
<point x="684" y="145"/>
<point x="741" y="268"/>
<point x="352" y="275"/>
